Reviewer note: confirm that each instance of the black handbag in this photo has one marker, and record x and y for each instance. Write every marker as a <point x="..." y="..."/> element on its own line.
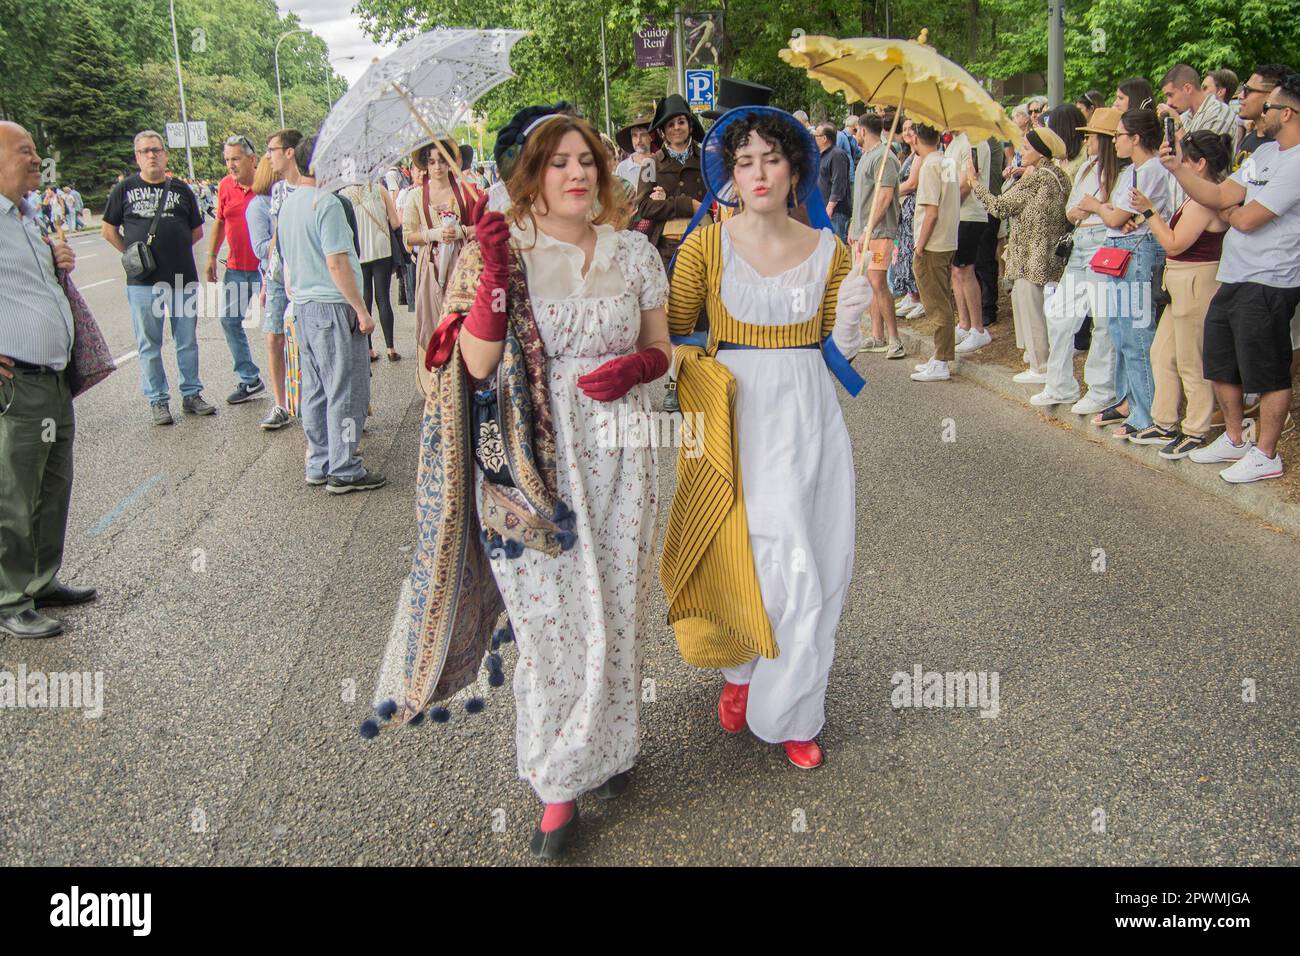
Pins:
<point x="138" y="260"/>
<point x="1160" y="297"/>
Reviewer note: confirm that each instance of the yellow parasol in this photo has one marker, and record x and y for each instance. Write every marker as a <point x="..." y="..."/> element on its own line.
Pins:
<point x="909" y="75"/>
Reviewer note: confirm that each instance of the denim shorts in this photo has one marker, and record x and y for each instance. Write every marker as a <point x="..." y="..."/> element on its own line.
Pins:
<point x="276" y="303"/>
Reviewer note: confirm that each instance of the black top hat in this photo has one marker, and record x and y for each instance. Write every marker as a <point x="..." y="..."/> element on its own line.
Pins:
<point x="624" y="136"/>
<point x="733" y="93"/>
<point x="673" y="105"/>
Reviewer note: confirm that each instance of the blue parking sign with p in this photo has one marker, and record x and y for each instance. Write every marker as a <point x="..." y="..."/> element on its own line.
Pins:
<point x="699" y="89"/>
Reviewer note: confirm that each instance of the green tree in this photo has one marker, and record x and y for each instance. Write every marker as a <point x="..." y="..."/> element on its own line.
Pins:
<point x="97" y="105"/>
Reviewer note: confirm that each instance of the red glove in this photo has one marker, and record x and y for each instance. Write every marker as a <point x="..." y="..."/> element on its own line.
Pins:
<point x="616" y="377"/>
<point x="487" y="316"/>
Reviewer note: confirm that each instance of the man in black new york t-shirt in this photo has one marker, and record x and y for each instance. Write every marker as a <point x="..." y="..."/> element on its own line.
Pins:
<point x="172" y="287"/>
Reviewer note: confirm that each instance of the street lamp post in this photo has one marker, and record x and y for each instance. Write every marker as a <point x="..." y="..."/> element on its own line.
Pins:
<point x="329" y="88"/>
<point x="279" y="95"/>
<point x="180" y="85"/>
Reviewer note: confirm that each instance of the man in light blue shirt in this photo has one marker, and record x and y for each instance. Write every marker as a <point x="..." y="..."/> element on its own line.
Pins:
<point x="36" y="421"/>
<point x="323" y="278"/>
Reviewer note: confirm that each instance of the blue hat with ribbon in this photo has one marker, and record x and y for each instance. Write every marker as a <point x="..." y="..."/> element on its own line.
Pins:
<point x="714" y="167"/>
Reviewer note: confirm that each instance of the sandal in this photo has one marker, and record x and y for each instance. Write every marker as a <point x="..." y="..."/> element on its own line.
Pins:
<point x="393" y="356"/>
<point x="1124" y="432"/>
<point x="1110" y="416"/>
<point x="374" y="356"/>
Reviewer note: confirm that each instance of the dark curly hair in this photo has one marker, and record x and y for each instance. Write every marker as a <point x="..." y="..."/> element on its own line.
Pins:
<point x="776" y="132"/>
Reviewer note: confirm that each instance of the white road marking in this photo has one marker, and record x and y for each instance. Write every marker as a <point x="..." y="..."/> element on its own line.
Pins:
<point x="126" y="358"/>
<point x="93" y="284"/>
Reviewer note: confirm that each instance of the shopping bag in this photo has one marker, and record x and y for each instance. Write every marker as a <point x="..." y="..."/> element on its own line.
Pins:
<point x="292" y="371"/>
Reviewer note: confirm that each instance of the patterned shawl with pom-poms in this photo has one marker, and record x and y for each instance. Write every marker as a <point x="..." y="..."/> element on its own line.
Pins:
<point x="454" y="604"/>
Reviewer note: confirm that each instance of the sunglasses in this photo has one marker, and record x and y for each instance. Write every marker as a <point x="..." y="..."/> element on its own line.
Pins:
<point x="1277" y="106"/>
<point x="1248" y="90"/>
<point x="242" y="141"/>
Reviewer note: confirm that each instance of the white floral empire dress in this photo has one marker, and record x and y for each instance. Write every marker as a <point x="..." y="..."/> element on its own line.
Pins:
<point x="577" y="617"/>
<point x="797" y="464"/>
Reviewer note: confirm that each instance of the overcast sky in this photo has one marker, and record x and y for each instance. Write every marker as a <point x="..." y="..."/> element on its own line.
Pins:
<point x="335" y="23"/>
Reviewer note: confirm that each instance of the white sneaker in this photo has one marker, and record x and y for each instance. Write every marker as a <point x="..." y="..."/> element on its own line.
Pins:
<point x="958" y="333"/>
<point x="926" y="364"/>
<point x="973" y="341"/>
<point x="1253" y="466"/>
<point x="1089" y="405"/>
<point x="1045" y="398"/>
<point x="916" y="312"/>
<point x="1030" y="377"/>
<point x="934" y="371"/>
<point x="906" y="304"/>
<point x="1221" y="449"/>
<point x="873" y="344"/>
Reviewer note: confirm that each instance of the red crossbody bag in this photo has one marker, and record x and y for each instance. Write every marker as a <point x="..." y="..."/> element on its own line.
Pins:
<point x="1109" y="261"/>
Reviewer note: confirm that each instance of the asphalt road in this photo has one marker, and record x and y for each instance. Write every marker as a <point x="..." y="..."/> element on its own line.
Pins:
<point x="243" y="615"/>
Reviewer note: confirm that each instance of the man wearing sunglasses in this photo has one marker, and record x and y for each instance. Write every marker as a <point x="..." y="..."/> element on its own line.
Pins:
<point x="1248" y="344"/>
<point x="242" y="280"/>
<point x="1254" y="94"/>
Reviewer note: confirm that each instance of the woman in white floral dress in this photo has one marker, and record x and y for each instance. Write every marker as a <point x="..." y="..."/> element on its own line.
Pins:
<point x="598" y="298"/>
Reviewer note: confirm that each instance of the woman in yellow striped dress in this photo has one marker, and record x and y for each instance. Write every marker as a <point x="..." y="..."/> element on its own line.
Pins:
<point x="756" y="570"/>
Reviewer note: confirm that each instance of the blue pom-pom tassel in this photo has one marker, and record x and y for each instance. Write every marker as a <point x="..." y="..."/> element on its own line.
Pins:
<point x="439" y="715"/>
<point x="370" y="728"/>
<point x="513" y="548"/>
<point x="494" y="662"/>
<point x="503" y="635"/>
<point x="474" y="705"/>
<point x="387" y="709"/>
<point x="562" y="512"/>
<point x="417" y="720"/>
<point x="565" y="539"/>
<point x="496" y="678"/>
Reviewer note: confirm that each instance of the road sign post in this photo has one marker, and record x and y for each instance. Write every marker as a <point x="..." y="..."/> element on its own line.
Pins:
<point x="700" y="89"/>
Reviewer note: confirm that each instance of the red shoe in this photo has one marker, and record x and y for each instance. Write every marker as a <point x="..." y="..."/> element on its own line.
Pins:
<point x="731" y="707"/>
<point x="804" y="754"/>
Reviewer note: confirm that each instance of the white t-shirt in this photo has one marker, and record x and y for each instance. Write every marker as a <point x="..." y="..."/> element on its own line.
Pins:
<point x="972" y="210"/>
<point x="1271" y="254"/>
<point x="1087" y="182"/>
<point x="630" y="171"/>
<point x="1153" y="182"/>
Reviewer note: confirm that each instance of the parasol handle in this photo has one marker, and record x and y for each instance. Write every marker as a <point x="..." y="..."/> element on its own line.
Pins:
<point x="876" y="208"/>
<point x="452" y="162"/>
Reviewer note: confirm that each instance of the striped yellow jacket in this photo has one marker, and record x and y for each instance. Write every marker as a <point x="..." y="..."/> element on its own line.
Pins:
<point x="715" y="605"/>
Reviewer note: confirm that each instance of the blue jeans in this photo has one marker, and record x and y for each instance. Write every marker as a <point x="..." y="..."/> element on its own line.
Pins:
<point x="150" y="306"/>
<point x="238" y="287"/>
<point x="335" y="366"/>
<point x="840" y="223"/>
<point x="1130" y="319"/>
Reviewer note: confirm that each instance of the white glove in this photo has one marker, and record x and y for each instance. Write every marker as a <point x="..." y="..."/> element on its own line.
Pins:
<point x="854" y="300"/>
<point x="432" y="235"/>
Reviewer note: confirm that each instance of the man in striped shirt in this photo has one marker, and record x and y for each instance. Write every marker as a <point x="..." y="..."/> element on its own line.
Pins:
<point x="36" y="422"/>
<point x="1192" y="106"/>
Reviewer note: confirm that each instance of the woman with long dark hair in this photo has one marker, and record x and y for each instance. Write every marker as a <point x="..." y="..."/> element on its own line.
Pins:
<point x="902" y="281"/>
<point x="1127" y="303"/>
<point x="1067" y="122"/>
<point x="1193" y="241"/>
<point x="1135" y="93"/>
<point x="756" y="572"/>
